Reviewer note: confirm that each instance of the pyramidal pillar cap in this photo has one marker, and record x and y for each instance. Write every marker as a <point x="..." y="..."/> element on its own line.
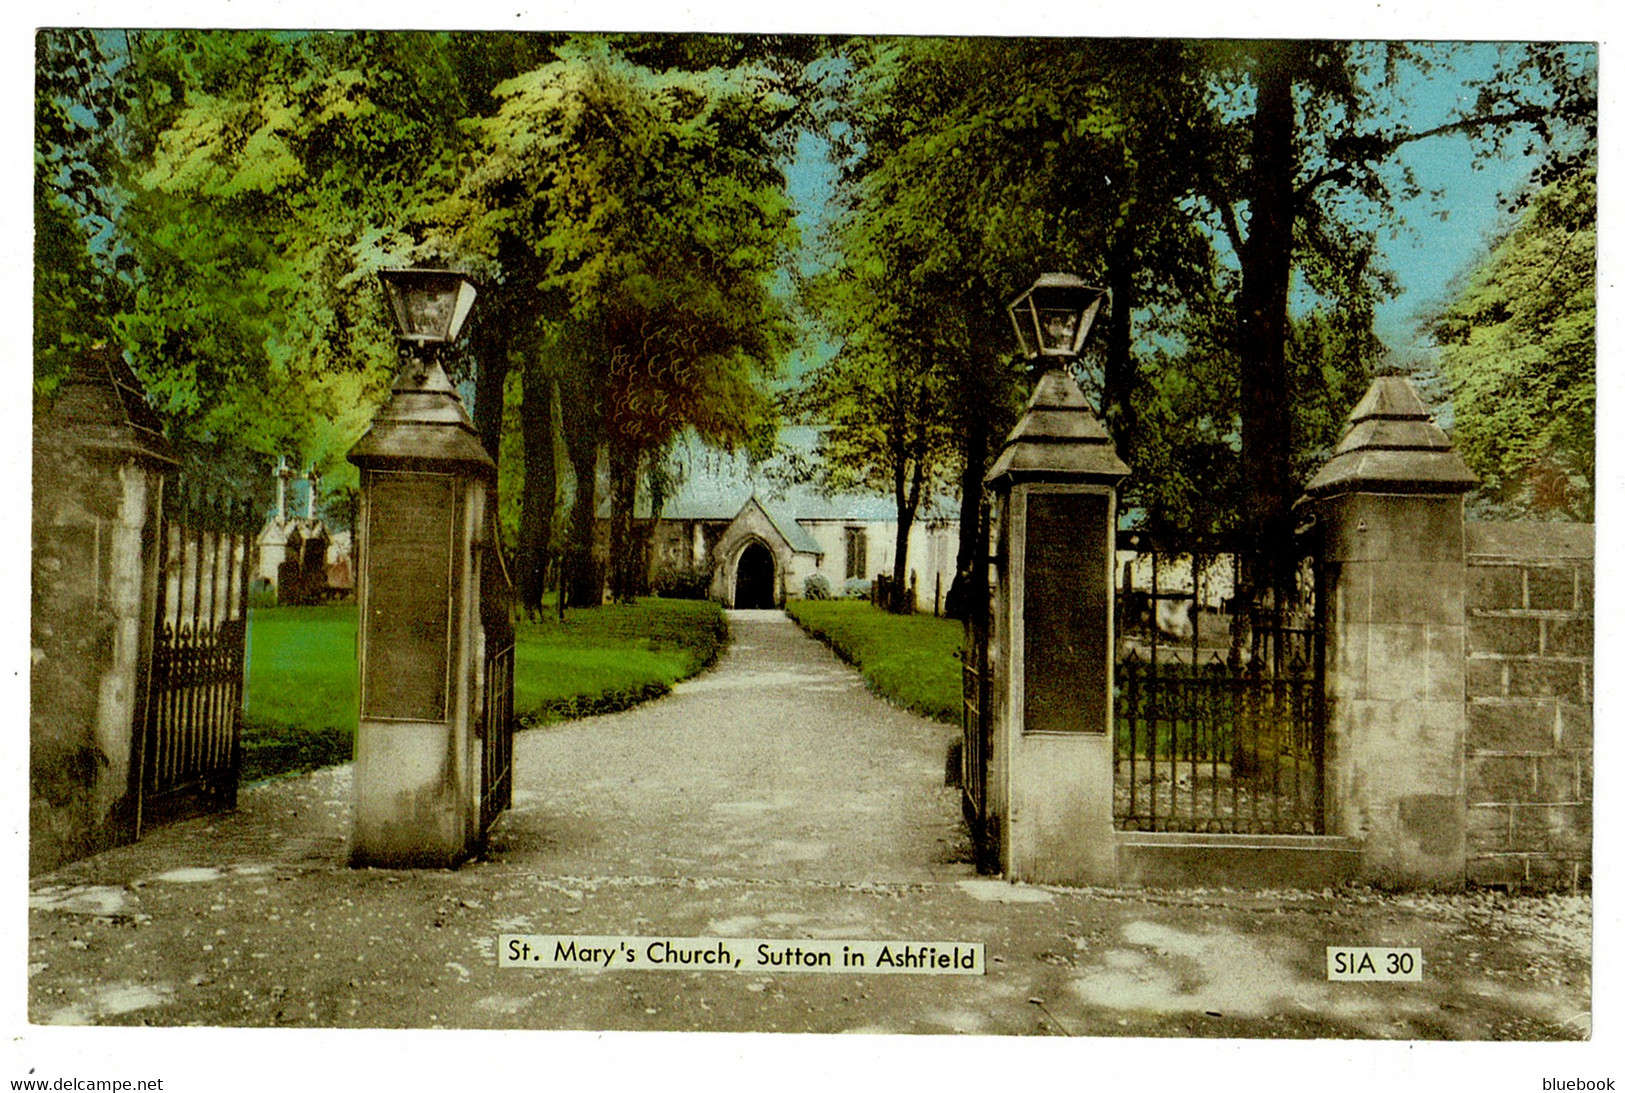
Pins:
<point x="423" y="424"/>
<point x="1058" y="439"/>
<point x="103" y="406"/>
<point x="1392" y="445"/>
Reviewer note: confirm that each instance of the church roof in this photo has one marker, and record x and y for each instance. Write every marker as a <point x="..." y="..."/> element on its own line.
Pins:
<point x="715" y="485"/>
<point x="797" y="536"/>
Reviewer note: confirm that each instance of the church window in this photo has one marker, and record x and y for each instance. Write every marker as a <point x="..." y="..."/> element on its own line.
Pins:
<point x="857" y="553"/>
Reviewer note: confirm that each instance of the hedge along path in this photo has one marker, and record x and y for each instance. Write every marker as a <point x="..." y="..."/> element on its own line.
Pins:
<point x="911" y="660"/>
<point x="777" y="764"/>
<point x="611" y="658"/>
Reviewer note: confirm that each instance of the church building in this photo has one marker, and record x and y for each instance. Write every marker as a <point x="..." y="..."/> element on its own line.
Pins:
<point x="742" y="536"/>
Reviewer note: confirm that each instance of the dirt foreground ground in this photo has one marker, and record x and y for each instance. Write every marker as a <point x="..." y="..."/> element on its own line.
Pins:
<point x="772" y="797"/>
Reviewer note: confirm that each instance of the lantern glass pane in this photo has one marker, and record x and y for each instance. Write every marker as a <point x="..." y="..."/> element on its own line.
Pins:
<point x="1059" y="328"/>
<point x="428" y="309"/>
<point x="1021" y="318"/>
<point x="430" y="305"/>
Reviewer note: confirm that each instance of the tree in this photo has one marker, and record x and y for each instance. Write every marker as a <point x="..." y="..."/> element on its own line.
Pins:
<point x="972" y="166"/>
<point x="1300" y="174"/>
<point x="1519" y="352"/>
<point x="271" y="174"/>
<point x="656" y="208"/>
<point x="886" y="428"/>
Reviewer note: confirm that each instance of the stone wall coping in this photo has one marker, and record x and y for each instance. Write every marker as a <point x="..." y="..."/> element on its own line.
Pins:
<point x="1517" y="700"/>
<point x="1337" y="843"/>
<point x="1529" y="542"/>
<point x="1514" y="561"/>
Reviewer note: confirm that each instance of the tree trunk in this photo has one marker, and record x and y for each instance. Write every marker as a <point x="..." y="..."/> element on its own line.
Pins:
<point x="908" y="503"/>
<point x="1117" y="398"/>
<point x="540" y="499"/>
<point x="1266" y="265"/>
<point x="962" y="595"/>
<point x="491" y="344"/>
<point x="582" y="582"/>
<point x="623" y="552"/>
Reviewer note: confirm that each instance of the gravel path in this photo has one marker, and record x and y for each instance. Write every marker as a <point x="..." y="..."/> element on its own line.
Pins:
<point x="778" y="762"/>
<point x="771" y="797"/>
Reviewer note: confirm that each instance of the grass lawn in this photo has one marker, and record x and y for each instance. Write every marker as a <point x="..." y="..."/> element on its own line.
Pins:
<point x="300" y="711"/>
<point x="908" y="659"/>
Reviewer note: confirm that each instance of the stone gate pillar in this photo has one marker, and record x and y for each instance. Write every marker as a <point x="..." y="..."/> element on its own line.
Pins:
<point x="100" y="458"/>
<point x="1390" y="504"/>
<point x="1049" y="790"/>
<point x="424" y="528"/>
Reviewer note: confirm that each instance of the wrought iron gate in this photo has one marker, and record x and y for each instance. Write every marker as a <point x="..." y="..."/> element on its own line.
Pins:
<point x="496" y="714"/>
<point x="1219" y="695"/>
<point x="976" y="695"/>
<point x="189" y="746"/>
<point x="496" y="771"/>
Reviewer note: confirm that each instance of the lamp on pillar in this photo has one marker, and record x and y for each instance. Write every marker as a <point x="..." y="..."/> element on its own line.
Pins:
<point x="1053" y="317"/>
<point x="430" y="305"/>
<point x="424" y="528"/>
<point x="1054" y="486"/>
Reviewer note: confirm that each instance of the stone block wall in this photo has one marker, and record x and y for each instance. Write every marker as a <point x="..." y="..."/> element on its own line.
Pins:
<point x="1529" y="687"/>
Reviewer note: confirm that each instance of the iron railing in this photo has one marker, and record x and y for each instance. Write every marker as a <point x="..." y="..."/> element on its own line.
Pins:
<point x="496" y="712"/>
<point x="1212" y="749"/>
<point x="1219" y="706"/>
<point x="974" y="687"/>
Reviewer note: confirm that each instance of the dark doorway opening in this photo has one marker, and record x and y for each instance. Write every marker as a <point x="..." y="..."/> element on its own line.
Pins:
<point x="753" y="584"/>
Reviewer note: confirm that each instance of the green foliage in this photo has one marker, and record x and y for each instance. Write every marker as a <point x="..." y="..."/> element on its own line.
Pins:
<point x="683" y="584"/>
<point x="660" y="215"/>
<point x="972" y="166"/>
<point x="270" y="174"/>
<point x="1520" y="352"/>
<point x="274" y="750"/>
<point x="76" y="101"/>
<point x="907" y="659"/>
<point x="637" y="217"/>
<point x="219" y="200"/>
<point x="885" y="418"/>
<point x="1307" y="174"/>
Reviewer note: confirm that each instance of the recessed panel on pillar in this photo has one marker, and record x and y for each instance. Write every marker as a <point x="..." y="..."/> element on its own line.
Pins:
<point x="409" y="548"/>
<point x="1066" y="613"/>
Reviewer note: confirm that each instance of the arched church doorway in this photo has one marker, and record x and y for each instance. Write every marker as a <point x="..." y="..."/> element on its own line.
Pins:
<point x="754" y="577"/>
